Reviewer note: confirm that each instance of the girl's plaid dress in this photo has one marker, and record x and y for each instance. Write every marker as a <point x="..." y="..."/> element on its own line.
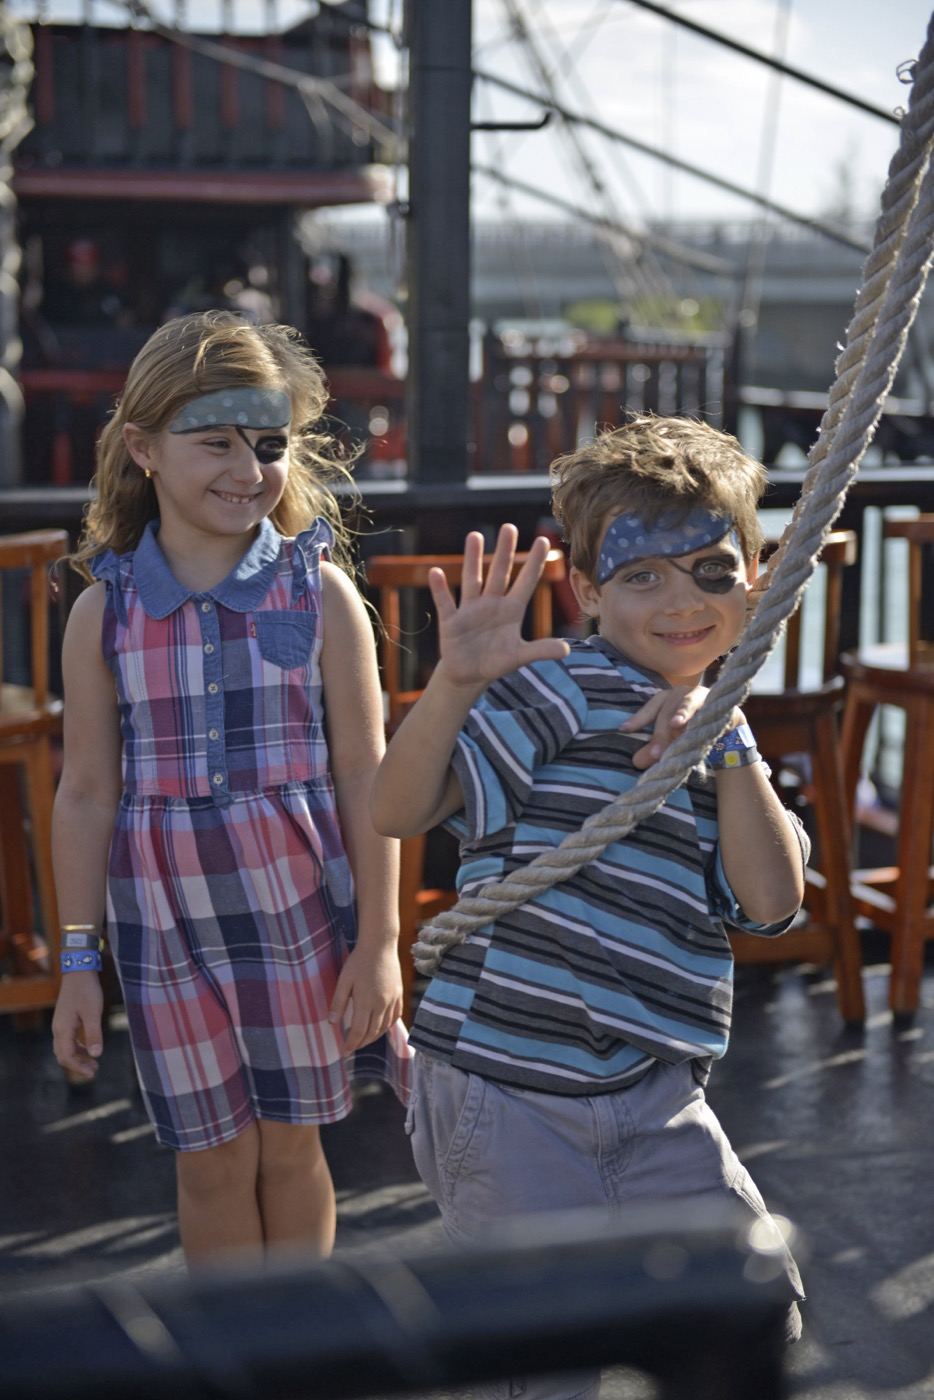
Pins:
<point x="230" y="898"/>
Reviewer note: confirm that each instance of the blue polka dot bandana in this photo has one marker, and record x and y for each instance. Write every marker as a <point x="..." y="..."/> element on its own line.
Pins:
<point x="243" y="406"/>
<point x="628" y="538"/>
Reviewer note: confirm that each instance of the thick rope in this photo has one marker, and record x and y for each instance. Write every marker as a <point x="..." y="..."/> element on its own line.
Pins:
<point x="885" y="308"/>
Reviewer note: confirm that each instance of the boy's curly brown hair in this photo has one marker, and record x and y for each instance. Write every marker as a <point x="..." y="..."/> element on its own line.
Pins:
<point x="653" y="465"/>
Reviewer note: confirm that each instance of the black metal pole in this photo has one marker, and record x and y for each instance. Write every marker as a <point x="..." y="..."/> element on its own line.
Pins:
<point x="694" y="1303"/>
<point x="438" y="249"/>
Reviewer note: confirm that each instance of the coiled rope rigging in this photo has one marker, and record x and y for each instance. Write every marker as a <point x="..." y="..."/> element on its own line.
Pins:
<point x="886" y="305"/>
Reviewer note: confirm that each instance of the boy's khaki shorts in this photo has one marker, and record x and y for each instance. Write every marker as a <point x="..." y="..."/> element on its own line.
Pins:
<point x="489" y="1153"/>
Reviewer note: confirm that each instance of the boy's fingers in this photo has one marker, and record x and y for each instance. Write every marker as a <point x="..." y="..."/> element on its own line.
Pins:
<point x="497" y="580"/>
<point x="531" y="571"/>
<point x="647" y="755"/>
<point x="472" y="567"/>
<point x="441" y="594"/>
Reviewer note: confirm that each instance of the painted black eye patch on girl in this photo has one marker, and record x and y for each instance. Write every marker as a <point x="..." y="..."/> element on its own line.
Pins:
<point x="267" y="449"/>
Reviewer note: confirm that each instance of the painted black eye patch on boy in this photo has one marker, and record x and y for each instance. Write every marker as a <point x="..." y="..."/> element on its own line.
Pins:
<point x="628" y="540"/>
<point x="718" y="583"/>
<point x="241" y="407"/>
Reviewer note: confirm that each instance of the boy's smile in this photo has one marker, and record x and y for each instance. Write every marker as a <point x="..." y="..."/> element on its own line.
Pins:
<point x="672" y="615"/>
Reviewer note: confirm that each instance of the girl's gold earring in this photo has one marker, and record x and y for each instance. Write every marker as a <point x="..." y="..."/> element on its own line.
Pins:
<point x="147" y="473"/>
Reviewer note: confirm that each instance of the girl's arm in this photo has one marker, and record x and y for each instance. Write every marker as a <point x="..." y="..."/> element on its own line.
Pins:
<point x="760" y="852"/>
<point x="369" y="991"/>
<point x="479" y="640"/>
<point x="82" y="823"/>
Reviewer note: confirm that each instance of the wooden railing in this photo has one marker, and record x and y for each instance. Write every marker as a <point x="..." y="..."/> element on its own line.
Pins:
<point x="531" y="402"/>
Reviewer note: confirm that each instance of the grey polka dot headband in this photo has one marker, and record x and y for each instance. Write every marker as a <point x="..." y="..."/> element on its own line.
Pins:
<point x="242" y="406"/>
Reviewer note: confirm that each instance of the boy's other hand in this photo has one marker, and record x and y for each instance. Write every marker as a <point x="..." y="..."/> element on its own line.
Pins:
<point x="480" y="636"/>
<point x="667" y="713"/>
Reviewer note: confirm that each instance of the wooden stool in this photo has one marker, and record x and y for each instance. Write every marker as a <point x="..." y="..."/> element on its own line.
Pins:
<point x="797" y="733"/>
<point x="29" y="720"/>
<point x="898" y="898"/>
<point x="403" y="676"/>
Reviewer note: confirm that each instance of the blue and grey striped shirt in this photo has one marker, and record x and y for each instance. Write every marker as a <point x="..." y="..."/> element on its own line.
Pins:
<point x="580" y="989"/>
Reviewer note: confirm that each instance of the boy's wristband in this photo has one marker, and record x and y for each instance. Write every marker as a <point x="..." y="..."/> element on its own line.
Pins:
<point x="735" y="749"/>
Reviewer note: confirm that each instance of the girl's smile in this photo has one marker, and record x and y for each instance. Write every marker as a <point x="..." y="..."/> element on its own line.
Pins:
<point x="214" y="484"/>
<point x="237" y="500"/>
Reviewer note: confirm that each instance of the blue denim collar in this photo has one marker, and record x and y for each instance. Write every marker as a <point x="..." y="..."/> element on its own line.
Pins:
<point x="242" y="590"/>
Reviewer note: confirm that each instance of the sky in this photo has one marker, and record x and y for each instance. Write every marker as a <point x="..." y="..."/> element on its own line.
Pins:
<point x="711" y="107"/>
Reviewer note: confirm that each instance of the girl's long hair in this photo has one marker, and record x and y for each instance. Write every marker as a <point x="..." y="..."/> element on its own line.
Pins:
<point x="200" y="354"/>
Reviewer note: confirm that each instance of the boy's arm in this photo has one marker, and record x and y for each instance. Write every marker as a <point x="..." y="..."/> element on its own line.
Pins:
<point x="759" y="850"/>
<point x="479" y="640"/>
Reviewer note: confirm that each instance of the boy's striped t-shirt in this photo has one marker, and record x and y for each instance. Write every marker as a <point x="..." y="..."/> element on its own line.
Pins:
<point x="579" y="990"/>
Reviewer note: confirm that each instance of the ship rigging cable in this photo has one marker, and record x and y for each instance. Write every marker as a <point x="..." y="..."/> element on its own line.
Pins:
<point x="886" y="305"/>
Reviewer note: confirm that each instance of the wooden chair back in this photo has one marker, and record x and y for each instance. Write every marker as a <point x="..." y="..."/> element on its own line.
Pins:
<point x="839" y="551"/>
<point x="30" y="718"/>
<point x="797" y="732"/>
<point x="919" y="534"/>
<point x="25" y="560"/>
<point x="399" y="579"/>
<point x="395" y="575"/>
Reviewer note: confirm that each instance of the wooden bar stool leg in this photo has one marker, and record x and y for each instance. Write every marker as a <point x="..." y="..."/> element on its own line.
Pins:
<point x="857" y="716"/>
<point x="916" y="831"/>
<point x="40" y="796"/>
<point x="15" y="885"/>
<point x="834" y="840"/>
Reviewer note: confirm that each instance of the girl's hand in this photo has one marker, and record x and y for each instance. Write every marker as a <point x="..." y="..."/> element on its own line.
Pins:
<point x="76" y="1024"/>
<point x="368" y="998"/>
<point x="667" y="712"/>
<point x="480" y="637"/>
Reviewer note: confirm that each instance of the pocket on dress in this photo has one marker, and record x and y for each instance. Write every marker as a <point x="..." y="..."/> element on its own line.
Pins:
<point x="285" y="638"/>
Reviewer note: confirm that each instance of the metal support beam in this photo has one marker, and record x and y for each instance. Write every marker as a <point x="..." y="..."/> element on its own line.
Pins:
<point x="438" y="248"/>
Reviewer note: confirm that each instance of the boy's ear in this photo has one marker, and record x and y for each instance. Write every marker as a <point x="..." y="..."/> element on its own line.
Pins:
<point x="586" y="592"/>
<point x="139" y="445"/>
<point x="752" y="570"/>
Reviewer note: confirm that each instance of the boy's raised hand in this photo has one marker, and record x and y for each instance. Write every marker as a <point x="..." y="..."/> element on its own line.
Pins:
<point x="480" y="636"/>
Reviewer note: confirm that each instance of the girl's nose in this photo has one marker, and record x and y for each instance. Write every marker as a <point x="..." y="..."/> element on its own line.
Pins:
<point x="243" y="464"/>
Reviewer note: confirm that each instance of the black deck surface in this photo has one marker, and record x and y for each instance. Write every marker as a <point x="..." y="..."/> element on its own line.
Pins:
<point x="836" y="1125"/>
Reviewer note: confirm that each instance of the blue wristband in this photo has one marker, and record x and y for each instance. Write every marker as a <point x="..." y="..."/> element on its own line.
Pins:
<point x="735" y="749"/>
<point x="85" y="960"/>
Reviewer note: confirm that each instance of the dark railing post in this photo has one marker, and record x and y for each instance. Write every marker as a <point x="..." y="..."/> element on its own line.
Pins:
<point x="438" y="252"/>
